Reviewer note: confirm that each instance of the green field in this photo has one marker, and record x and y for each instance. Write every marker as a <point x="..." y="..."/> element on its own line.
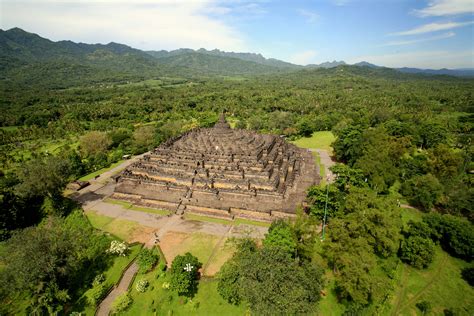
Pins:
<point x="159" y="301"/>
<point x="99" y="172"/>
<point x="319" y="140"/>
<point x="121" y="228"/>
<point x="237" y="221"/>
<point x="131" y="206"/>
<point x="440" y="284"/>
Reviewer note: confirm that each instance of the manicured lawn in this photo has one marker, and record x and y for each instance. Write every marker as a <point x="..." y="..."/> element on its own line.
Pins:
<point x="237" y="221"/>
<point x="207" y="219"/>
<point x="320" y="140"/>
<point x="245" y="221"/>
<point x="98" y="221"/>
<point x="137" y="208"/>
<point x="120" y="228"/>
<point x="113" y="274"/>
<point x="99" y="172"/>
<point x="199" y="244"/>
<point x="159" y="301"/>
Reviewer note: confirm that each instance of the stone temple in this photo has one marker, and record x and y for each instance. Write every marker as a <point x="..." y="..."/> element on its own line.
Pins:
<point x="221" y="172"/>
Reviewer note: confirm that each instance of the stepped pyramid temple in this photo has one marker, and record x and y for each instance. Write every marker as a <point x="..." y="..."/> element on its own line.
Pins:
<point x="221" y="172"/>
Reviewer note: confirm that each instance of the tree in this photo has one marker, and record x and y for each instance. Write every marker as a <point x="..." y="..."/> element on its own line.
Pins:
<point x="317" y="198"/>
<point x="147" y="259"/>
<point x="184" y="274"/>
<point x="417" y="251"/>
<point x="424" y="191"/>
<point x="93" y="143"/>
<point x="144" y="138"/>
<point x="63" y="249"/>
<point x="456" y="235"/>
<point x="347" y="177"/>
<point x="280" y="234"/>
<point x="45" y="177"/>
<point x="229" y="286"/>
<point x="347" y="146"/>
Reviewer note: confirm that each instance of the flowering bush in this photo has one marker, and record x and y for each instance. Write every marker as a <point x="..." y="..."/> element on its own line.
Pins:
<point x="118" y="248"/>
<point x="141" y="285"/>
<point x="166" y="285"/>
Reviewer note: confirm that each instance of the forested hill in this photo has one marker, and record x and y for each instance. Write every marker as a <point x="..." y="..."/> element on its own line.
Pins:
<point x="253" y="57"/>
<point x="27" y="59"/>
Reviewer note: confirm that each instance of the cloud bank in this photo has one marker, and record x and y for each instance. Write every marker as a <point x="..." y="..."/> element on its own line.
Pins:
<point x="143" y="24"/>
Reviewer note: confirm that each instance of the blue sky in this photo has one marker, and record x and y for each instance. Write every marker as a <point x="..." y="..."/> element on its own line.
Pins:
<point x="394" y="33"/>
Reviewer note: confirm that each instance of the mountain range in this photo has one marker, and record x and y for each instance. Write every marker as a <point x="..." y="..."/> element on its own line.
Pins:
<point x="27" y="58"/>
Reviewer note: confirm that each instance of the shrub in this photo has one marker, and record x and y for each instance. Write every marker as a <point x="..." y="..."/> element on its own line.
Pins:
<point x="456" y="235"/>
<point x="417" y="251"/>
<point x="147" y="259"/>
<point x="142" y="285"/>
<point x="98" y="279"/>
<point x="468" y="275"/>
<point x="96" y="293"/>
<point x="424" y="307"/>
<point x="121" y="303"/>
<point x="166" y="285"/>
<point x="119" y="248"/>
<point x="423" y="191"/>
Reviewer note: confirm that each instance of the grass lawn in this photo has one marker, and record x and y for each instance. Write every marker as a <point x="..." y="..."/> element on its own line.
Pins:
<point x="129" y="205"/>
<point x="410" y="214"/>
<point x="99" y="172"/>
<point x="113" y="274"/>
<point x="320" y="140"/>
<point x="159" y="301"/>
<point x="440" y="284"/>
<point x="201" y="218"/>
<point x="121" y="228"/>
<point x="236" y="221"/>
<point x="178" y="243"/>
<point x="328" y="305"/>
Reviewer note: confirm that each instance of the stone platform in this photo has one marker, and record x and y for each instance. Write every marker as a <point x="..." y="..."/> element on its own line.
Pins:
<point x="222" y="172"/>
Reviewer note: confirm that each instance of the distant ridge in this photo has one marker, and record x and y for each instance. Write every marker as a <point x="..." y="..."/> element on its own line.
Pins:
<point x="27" y="58"/>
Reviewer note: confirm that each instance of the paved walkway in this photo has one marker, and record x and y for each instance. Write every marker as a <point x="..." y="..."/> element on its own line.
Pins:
<point x="106" y="305"/>
<point x="326" y="161"/>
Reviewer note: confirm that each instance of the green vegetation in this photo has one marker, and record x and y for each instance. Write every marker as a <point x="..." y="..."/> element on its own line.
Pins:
<point x="120" y="228"/>
<point x="440" y="285"/>
<point x="101" y="171"/>
<point x="72" y="111"/>
<point x="133" y="207"/>
<point x="318" y="140"/>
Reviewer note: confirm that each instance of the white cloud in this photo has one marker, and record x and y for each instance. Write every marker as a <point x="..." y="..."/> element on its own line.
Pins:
<point x="144" y="24"/>
<point x="446" y="7"/>
<point x="428" y="39"/>
<point x="311" y="17"/>
<point x="303" y="58"/>
<point x="422" y="59"/>
<point x="433" y="27"/>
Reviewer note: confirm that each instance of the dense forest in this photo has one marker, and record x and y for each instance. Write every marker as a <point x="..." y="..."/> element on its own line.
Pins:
<point x="400" y="138"/>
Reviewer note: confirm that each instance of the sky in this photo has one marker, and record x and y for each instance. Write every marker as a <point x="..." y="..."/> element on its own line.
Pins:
<point x="394" y="33"/>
